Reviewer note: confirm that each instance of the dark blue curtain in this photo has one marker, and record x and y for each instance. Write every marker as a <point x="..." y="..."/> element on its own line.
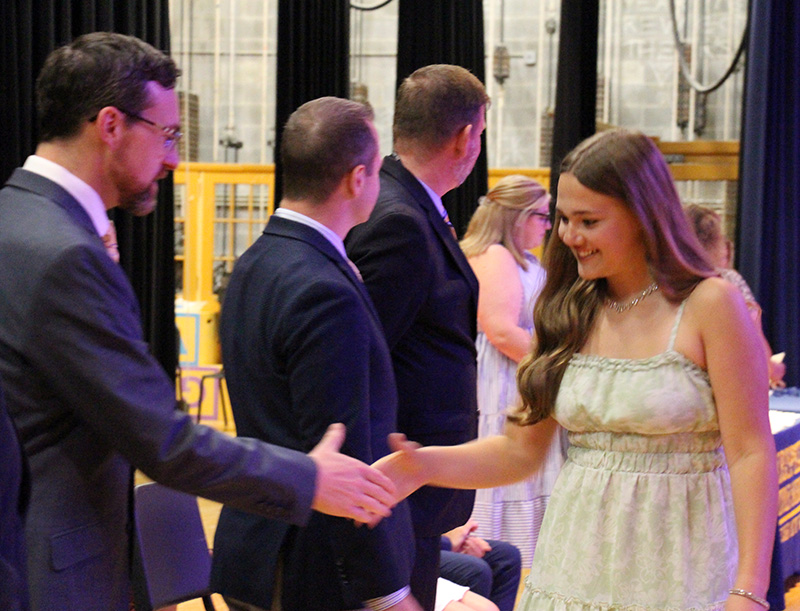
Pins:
<point x="769" y="218"/>
<point x="29" y="31"/>
<point x="447" y="32"/>
<point x="313" y="60"/>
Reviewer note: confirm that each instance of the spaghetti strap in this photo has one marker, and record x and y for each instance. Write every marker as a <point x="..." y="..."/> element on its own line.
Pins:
<point x="674" y="332"/>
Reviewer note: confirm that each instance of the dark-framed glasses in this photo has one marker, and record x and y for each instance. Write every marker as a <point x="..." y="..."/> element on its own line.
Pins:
<point x="171" y="135"/>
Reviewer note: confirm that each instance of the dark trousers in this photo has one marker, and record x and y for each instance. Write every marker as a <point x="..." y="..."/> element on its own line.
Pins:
<point x="495" y="576"/>
<point x="426" y="571"/>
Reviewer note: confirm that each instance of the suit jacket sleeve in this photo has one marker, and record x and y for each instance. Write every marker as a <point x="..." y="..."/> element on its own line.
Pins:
<point x="88" y="345"/>
<point x="333" y="350"/>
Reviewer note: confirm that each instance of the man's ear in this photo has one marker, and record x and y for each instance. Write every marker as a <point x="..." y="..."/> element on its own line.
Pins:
<point x="461" y="141"/>
<point x="109" y="124"/>
<point x="354" y="180"/>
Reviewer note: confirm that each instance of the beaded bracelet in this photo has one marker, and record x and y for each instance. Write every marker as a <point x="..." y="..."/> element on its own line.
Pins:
<point x="751" y="596"/>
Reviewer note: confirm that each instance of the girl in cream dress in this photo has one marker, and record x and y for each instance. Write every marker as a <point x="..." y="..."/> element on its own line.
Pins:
<point x="652" y="364"/>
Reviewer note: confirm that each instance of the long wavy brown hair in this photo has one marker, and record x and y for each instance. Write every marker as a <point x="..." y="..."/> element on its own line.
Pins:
<point x="628" y="166"/>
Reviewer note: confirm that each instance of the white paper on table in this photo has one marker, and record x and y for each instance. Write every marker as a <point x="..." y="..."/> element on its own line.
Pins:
<point x="780" y="421"/>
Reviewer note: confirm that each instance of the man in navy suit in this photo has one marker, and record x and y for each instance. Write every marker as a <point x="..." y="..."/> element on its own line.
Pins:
<point x="14" y="482"/>
<point x="303" y="347"/>
<point x="88" y="399"/>
<point x="423" y="287"/>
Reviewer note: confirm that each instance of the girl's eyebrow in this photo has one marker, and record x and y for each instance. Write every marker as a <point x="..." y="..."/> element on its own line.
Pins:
<point x="576" y="212"/>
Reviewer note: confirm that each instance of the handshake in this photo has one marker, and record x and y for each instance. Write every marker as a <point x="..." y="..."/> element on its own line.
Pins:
<point x="348" y="488"/>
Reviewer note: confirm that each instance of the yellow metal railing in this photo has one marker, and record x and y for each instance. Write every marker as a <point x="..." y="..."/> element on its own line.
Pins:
<point x="703" y="160"/>
<point x="540" y="175"/>
<point x="220" y="210"/>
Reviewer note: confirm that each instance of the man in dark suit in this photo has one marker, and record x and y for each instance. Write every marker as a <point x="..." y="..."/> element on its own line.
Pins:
<point x="423" y="287"/>
<point x="303" y="347"/>
<point x="14" y="482"/>
<point x="88" y="399"/>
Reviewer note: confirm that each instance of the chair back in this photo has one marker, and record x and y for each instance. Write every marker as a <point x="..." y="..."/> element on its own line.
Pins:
<point x="172" y="563"/>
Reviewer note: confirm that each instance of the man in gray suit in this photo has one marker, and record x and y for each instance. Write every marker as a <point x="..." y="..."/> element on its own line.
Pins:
<point x="88" y="399"/>
<point x="14" y="480"/>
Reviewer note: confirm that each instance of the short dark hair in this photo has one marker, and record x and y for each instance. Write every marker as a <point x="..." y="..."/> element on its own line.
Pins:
<point x="435" y="103"/>
<point x="94" y="71"/>
<point x="322" y="141"/>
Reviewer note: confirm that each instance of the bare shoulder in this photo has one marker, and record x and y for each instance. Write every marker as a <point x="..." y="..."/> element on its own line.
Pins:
<point x="496" y="255"/>
<point x="712" y="297"/>
<point x="718" y="311"/>
<point x="712" y="315"/>
<point x="496" y="259"/>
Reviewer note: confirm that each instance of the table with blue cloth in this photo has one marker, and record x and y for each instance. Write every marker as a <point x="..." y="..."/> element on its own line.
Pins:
<point x="784" y="408"/>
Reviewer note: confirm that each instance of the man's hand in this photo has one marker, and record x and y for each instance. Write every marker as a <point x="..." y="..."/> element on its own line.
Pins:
<point x="346" y="487"/>
<point x="475" y="546"/>
<point x="462" y="541"/>
<point x="459" y="534"/>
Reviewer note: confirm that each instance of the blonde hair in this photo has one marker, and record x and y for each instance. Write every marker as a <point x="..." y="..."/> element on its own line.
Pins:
<point x="500" y="213"/>
<point x="628" y="166"/>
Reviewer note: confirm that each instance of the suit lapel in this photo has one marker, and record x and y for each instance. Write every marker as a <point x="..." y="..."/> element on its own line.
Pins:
<point x="393" y="167"/>
<point x="44" y="187"/>
<point x="292" y="229"/>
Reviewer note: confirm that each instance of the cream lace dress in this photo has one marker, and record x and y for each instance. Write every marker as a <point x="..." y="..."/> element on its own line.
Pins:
<point x="641" y="516"/>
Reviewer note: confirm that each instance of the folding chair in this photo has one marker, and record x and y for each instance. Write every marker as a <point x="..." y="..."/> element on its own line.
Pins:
<point x="172" y="563"/>
<point x="219" y="376"/>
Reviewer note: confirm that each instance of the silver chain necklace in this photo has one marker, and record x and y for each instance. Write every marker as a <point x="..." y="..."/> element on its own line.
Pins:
<point x="619" y="308"/>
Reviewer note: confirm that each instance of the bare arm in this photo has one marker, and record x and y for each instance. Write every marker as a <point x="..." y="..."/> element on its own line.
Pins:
<point x="485" y="463"/>
<point x="737" y="369"/>
<point x="500" y="301"/>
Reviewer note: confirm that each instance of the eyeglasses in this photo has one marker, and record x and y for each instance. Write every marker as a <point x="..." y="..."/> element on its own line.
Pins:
<point x="171" y="135"/>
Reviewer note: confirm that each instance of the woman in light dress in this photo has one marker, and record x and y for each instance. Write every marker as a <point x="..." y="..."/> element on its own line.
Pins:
<point x="652" y="364"/>
<point x="510" y="220"/>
